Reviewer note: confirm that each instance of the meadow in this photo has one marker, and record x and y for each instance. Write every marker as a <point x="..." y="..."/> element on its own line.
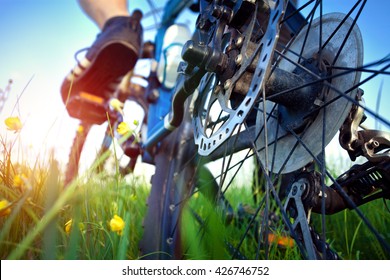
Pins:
<point x="100" y="217"/>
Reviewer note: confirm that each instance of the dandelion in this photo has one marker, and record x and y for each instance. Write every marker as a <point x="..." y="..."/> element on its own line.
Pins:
<point x="123" y="128"/>
<point x="117" y="224"/>
<point x="5" y="208"/>
<point x="13" y="123"/>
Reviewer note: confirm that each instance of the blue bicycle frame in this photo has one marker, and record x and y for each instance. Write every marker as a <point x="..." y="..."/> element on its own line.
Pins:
<point x="167" y="113"/>
<point x="158" y="127"/>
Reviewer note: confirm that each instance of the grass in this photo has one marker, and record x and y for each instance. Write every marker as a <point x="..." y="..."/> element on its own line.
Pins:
<point x="35" y="227"/>
<point x="38" y="225"/>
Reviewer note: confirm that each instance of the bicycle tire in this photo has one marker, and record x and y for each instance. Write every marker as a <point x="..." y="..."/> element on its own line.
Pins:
<point x="160" y="221"/>
<point x="76" y="149"/>
<point x="163" y="223"/>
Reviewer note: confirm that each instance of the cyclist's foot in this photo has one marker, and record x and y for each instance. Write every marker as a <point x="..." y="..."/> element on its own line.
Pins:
<point x="112" y="55"/>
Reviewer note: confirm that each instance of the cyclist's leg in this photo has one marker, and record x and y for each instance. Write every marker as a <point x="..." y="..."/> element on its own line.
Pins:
<point x="102" y="10"/>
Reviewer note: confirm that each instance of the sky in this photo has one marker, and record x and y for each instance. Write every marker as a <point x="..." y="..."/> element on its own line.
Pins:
<point x="38" y="39"/>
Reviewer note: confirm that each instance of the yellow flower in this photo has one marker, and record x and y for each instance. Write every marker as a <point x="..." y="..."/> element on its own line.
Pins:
<point x="19" y="180"/>
<point x="13" y="124"/>
<point x="117" y="105"/>
<point x="68" y="226"/>
<point x="5" y="208"/>
<point x="123" y="128"/>
<point x="80" y="129"/>
<point x="117" y="224"/>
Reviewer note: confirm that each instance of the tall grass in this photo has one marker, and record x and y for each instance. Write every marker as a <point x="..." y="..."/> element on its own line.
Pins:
<point x="35" y="228"/>
<point x="48" y="222"/>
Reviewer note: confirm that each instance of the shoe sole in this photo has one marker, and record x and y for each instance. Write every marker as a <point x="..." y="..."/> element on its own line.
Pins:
<point x="104" y="73"/>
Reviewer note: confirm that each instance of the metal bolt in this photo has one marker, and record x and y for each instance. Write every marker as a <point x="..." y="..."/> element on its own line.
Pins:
<point x="372" y="144"/>
<point x="227" y="84"/>
<point x="239" y="41"/>
<point x="217" y="90"/>
<point x="294" y="190"/>
<point x="172" y="207"/>
<point x="217" y="11"/>
<point x="238" y="59"/>
<point x="170" y="241"/>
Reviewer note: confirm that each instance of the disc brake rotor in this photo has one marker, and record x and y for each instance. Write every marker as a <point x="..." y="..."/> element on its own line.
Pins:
<point x="216" y="117"/>
<point x="280" y="140"/>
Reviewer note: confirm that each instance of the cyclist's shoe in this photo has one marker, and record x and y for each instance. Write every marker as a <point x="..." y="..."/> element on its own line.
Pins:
<point x="95" y="78"/>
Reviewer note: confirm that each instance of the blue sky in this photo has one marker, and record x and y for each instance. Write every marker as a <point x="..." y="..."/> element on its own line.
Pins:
<point x="38" y="42"/>
<point x="38" y="39"/>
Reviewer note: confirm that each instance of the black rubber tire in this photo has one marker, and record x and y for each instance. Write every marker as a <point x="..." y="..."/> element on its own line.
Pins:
<point x="75" y="153"/>
<point x="171" y="182"/>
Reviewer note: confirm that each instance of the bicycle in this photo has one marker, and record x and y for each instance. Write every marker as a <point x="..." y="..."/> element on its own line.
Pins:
<point x="274" y="82"/>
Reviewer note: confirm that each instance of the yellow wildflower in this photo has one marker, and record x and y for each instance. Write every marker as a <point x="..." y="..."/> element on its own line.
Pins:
<point x="68" y="226"/>
<point x="80" y="129"/>
<point x="19" y="180"/>
<point x="5" y="208"/>
<point x="117" y="105"/>
<point x="13" y="124"/>
<point x="123" y="128"/>
<point x="117" y="224"/>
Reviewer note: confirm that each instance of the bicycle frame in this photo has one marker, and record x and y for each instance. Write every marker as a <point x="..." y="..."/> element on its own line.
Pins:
<point x="157" y="128"/>
<point x="172" y="104"/>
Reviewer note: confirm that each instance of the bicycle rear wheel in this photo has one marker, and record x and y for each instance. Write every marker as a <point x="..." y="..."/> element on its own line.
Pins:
<point x="282" y="105"/>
